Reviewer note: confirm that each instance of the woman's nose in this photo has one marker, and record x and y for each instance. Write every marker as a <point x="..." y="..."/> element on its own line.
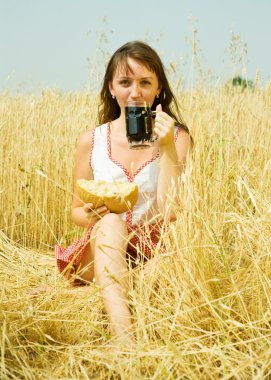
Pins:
<point x="136" y="92"/>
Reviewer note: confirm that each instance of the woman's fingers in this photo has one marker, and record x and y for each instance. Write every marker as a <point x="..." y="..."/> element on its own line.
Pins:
<point x="88" y="207"/>
<point x="100" y="209"/>
<point x="164" y="127"/>
<point x="104" y="212"/>
<point x="95" y="212"/>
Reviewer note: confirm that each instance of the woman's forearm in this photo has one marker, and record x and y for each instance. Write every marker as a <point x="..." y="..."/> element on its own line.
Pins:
<point x="168" y="177"/>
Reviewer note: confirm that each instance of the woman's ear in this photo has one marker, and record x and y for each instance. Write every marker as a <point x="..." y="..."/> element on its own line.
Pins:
<point x="159" y="91"/>
<point x="111" y="90"/>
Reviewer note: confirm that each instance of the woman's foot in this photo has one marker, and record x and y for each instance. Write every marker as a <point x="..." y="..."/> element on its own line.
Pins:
<point x="42" y="289"/>
<point x="121" y="345"/>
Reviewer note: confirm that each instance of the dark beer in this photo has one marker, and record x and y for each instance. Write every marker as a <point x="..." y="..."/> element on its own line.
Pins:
<point x="139" y="126"/>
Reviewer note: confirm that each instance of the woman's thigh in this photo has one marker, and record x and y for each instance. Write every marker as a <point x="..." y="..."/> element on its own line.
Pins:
<point x="109" y="224"/>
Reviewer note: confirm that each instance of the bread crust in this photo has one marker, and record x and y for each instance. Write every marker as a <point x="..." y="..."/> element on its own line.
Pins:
<point x="118" y="197"/>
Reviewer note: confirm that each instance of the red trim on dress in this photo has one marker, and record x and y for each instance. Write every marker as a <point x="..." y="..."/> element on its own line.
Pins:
<point x="127" y="173"/>
<point x="129" y="217"/>
<point x="92" y="145"/>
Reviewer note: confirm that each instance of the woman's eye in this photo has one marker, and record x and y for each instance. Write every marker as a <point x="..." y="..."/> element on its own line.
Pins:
<point x="146" y="82"/>
<point x="124" y="82"/>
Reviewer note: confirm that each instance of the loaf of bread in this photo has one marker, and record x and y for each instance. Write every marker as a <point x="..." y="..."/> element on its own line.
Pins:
<point x="117" y="196"/>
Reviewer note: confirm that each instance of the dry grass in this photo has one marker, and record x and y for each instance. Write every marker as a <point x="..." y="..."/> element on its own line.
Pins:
<point x="205" y="312"/>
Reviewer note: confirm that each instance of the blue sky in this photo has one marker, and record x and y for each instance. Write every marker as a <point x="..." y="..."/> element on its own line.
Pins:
<point x="64" y="43"/>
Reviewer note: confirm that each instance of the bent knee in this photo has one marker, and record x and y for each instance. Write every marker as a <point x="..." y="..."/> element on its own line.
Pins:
<point x="111" y="221"/>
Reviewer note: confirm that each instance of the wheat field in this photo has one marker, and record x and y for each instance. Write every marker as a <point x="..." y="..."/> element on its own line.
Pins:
<point x="204" y="312"/>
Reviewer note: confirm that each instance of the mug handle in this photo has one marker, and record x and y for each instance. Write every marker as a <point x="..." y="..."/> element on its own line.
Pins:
<point x="154" y="137"/>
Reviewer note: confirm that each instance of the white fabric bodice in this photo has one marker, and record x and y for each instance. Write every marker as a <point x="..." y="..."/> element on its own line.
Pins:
<point x="105" y="168"/>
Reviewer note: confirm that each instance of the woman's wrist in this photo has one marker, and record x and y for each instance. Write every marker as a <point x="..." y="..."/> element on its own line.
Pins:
<point x="168" y="152"/>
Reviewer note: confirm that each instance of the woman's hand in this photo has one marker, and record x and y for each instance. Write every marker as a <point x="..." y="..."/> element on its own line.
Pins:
<point x="163" y="127"/>
<point x="94" y="214"/>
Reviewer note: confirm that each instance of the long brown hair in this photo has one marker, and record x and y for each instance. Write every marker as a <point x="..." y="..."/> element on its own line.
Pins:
<point x="139" y="51"/>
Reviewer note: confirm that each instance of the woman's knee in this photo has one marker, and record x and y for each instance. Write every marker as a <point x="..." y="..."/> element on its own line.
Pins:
<point x="111" y="223"/>
<point x="110" y="235"/>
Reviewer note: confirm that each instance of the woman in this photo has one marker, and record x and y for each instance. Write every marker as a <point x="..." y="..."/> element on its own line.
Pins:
<point x="134" y="72"/>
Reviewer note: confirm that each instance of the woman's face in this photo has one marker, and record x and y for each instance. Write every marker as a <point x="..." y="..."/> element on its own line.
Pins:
<point x="139" y="84"/>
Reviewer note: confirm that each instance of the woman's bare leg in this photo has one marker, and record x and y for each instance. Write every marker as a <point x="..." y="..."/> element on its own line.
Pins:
<point x="85" y="269"/>
<point x="109" y="243"/>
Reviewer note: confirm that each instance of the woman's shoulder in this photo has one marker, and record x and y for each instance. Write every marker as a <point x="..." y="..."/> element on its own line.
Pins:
<point x="85" y="139"/>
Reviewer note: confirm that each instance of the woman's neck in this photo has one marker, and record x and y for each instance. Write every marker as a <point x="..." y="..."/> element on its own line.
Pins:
<point x="118" y="127"/>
